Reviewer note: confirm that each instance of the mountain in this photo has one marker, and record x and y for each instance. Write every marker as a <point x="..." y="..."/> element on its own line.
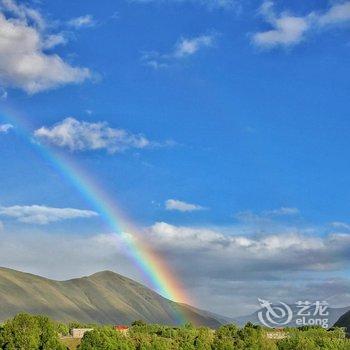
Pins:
<point x="104" y="297"/>
<point x="334" y="314"/>
<point x="344" y="321"/>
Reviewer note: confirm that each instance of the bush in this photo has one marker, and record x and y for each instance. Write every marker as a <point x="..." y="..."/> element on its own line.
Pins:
<point x="26" y="332"/>
<point x="314" y="338"/>
<point x="105" y="338"/>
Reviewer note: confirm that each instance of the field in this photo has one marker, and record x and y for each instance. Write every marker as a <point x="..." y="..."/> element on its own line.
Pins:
<point x="71" y="343"/>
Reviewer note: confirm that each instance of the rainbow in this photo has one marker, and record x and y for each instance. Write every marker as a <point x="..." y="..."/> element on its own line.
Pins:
<point x="152" y="266"/>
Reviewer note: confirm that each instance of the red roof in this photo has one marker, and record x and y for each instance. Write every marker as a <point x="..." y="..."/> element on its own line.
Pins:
<point x="120" y="327"/>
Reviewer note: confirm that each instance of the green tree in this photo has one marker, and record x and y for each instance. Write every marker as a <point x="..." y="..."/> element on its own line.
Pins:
<point x="204" y="339"/>
<point x="105" y="338"/>
<point x="62" y="328"/>
<point x="254" y="337"/>
<point x="139" y="323"/>
<point x="225" y="337"/>
<point x="314" y="338"/>
<point x="49" y="338"/>
<point x="26" y="332"/>
<point x="20" y="333"/>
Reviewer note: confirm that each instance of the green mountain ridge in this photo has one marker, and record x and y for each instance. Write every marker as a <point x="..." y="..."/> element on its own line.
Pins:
<point x="104" y="297"/>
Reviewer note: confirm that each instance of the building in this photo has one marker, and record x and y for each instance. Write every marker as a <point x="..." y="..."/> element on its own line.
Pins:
<point x="121" y="328"/>
<point x="78" y="333"/>
<point x="276" y="333"/>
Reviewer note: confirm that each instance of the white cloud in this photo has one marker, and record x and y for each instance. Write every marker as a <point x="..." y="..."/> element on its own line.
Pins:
<point x="212" y="240"/>
<point x="247" y="262"/>
<point x="337" y="14"/>
<point x="23" y="12"/>
<point x="82" y="21"/>
<point x="38" y="214"/>
<point x="5" y="128"/>
<point x="54" y="40"/>
<point x="155" y="60"/>
<point x="288" y="30"/>
<point x="174" y="204"/>
<point x="231" y="256"/>
<point x="24" y="63"/>
<point x="185" y="47"/>
<point x="80" y="136"/>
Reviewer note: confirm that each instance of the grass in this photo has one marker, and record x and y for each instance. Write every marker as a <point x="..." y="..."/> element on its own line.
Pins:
<point x="71" y="343"/>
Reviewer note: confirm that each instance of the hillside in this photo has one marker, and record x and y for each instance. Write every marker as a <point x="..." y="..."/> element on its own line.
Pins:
<point x="104" y="297"/>
<point x="344" y="321"/>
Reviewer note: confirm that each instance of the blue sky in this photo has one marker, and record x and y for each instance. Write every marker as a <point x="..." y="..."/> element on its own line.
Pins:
<point x="208" y="117"/>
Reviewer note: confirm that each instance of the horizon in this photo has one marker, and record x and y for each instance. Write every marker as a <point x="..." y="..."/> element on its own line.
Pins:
<point x="196" y="147"/>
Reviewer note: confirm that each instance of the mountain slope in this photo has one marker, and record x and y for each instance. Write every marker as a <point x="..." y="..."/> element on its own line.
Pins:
<point x="104" y="297"/>
<point x="344" y="321"/>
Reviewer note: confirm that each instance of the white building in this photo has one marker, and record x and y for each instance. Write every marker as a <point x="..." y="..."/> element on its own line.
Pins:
<point x="79" y="332"/>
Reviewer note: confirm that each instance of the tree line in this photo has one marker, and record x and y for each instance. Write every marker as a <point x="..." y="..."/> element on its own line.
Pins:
<point x="28" y="332"/>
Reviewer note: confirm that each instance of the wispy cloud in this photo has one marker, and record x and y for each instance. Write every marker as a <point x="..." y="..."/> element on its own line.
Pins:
<point x="82" y="136"/>
<point x="54" y="40"/>
<point x="267" y="215"/>
<point x="5" y="128"/>
<point x="209" y="4"/>
<point x="24" y="63"/>
<point x="338" y="13"/>
<point x="340" y="225"/>
<point x="174" y="204"/>
<point x="3" y="94"/>
<point x="39" y="214"/>
<point x="288" y="30"/>
<point x="283" y="211"/>
<point x="23" y="13"/>
<point x="82" y="21"/>
<point x="185" y="47"/>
